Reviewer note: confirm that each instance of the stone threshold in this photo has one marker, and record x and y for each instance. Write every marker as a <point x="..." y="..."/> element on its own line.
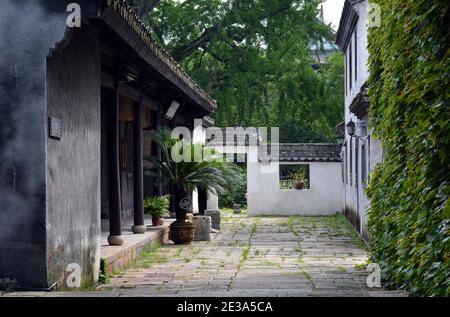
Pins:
<point x="117" y="258"/>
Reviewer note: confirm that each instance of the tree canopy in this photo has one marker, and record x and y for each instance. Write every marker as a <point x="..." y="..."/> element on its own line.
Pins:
<point x="254" y="57"/>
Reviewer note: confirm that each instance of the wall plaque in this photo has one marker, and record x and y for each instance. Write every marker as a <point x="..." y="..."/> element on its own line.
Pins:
<point x="55" y="128"/>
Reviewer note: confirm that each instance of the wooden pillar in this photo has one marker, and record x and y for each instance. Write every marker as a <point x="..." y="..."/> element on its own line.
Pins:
<point x="115" y="199"/>
<point x="159" y="115"/>
<point x="138" y="170"/>
<point x="202" y="201"/>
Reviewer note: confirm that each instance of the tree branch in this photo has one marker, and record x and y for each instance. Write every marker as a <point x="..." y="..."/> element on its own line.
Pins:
<point x="203" y="40"/>
<point x="181" y="53"/>
<point x="145" y="7"/>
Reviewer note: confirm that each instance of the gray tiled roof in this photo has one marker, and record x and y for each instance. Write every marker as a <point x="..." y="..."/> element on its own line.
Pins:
<point x="304" y="152"/>
<point x="122" y="8"/>
<point x="234" y="137"/>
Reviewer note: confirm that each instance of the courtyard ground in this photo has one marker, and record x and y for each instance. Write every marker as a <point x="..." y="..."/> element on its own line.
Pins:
<point x="268" y="256"/>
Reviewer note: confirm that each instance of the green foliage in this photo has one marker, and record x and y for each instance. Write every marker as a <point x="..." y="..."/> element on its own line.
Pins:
<point x="289" y="174"/>
<point x="238" y="196"/>
<point x="409" y="220"/>
<point x="157" y="206"/>
<point x="192" y="165"/>
<point x="255" y="58"/>
<point x="299" y="175"/>
<point x="103" y="277"/>
<point x="149" y="257"/>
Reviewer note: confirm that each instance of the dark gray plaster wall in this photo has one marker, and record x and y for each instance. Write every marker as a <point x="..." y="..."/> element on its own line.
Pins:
<point x="29" y="29"/>
<point x="73" y="162"/>
<point x="27" y="32"/>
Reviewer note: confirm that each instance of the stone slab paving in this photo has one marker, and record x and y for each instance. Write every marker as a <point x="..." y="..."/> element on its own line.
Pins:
<point x="296" y="256"/>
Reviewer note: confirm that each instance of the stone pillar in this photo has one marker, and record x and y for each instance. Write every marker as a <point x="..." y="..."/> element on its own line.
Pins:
<point x="212" y="210"/>
<point x="202" y="228"/>
<point x="115" y="200"/>
<point x="138" y="170"/>
<point x="212" y="201"/>
<point x="215" y="218"/>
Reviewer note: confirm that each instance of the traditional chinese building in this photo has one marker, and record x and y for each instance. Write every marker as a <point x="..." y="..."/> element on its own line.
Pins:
<point x="362" y="151"/>
<point x="77" y="105"/>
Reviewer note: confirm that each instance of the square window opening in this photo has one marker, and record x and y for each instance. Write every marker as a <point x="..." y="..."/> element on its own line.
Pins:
<point x="295" y="176"/>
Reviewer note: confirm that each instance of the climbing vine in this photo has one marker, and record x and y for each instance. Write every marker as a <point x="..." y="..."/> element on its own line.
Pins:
<point x="409" y="220"/>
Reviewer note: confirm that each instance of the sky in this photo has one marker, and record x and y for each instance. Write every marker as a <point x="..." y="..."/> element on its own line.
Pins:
<point x="332" y="10"/>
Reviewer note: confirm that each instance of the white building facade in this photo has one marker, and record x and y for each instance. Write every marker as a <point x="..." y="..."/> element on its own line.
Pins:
<point x="362" y="151"/>
<point x="266" y="195"/>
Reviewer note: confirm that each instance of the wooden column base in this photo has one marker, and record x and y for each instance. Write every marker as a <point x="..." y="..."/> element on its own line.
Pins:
<point x="115" y="240"/>
<point x="138" y="229"/>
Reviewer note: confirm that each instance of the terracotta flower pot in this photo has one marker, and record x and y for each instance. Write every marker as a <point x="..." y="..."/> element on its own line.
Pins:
<point x="182" y="232"/>
<point x="157" y="221"/>
<point x="299" y="185"/>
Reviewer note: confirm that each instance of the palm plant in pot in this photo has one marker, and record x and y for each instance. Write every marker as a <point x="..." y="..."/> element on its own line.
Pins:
<point x="157" y="207"/>
<point x="187" y="166"/>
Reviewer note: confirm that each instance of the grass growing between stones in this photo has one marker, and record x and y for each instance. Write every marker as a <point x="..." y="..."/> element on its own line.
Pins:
<point x="336" y="227"/>
<point x="361" y="266"/>
<point x="333" y="226"/>
<point x="245" y="252"/>
<point x="149" y="257"/>
<point x="308" y="277"/>
<point x="292" y="225"/>
<point x="227" y="213"/>
<point x="341" y="269"/>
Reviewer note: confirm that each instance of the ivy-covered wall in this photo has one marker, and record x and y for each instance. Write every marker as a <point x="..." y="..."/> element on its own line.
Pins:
<point x="409" y="220"/>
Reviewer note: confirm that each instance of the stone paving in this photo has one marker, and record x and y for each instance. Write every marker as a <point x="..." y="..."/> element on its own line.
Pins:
<point x="296" y="256"/>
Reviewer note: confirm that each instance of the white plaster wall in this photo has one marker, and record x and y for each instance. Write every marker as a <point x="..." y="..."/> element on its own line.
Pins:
<point x="212" y="202"/>
<point x="266" y="198"/>
<point x="198" y="136"/>
<point x="362" y="53"/>
<point x="375" y="157"/>
<point x="354" y="197"/>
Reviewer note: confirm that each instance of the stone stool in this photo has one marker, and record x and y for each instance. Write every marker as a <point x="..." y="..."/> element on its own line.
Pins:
<point x="215" y="218"/>
<point x="202" y="228"/>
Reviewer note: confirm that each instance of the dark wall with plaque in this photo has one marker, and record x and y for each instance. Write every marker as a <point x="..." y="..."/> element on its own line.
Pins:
<point x="28" y="33"/>
<point x="73" y="160"/>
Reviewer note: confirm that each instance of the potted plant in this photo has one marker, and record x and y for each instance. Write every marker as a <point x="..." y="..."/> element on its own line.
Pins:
<point x="186" y="172"/>
<point x="157" y="207"/>
<point x="299" y="179"/>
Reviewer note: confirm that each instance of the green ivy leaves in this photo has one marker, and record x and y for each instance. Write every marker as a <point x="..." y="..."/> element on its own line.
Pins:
<point x="409" y="220"/>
